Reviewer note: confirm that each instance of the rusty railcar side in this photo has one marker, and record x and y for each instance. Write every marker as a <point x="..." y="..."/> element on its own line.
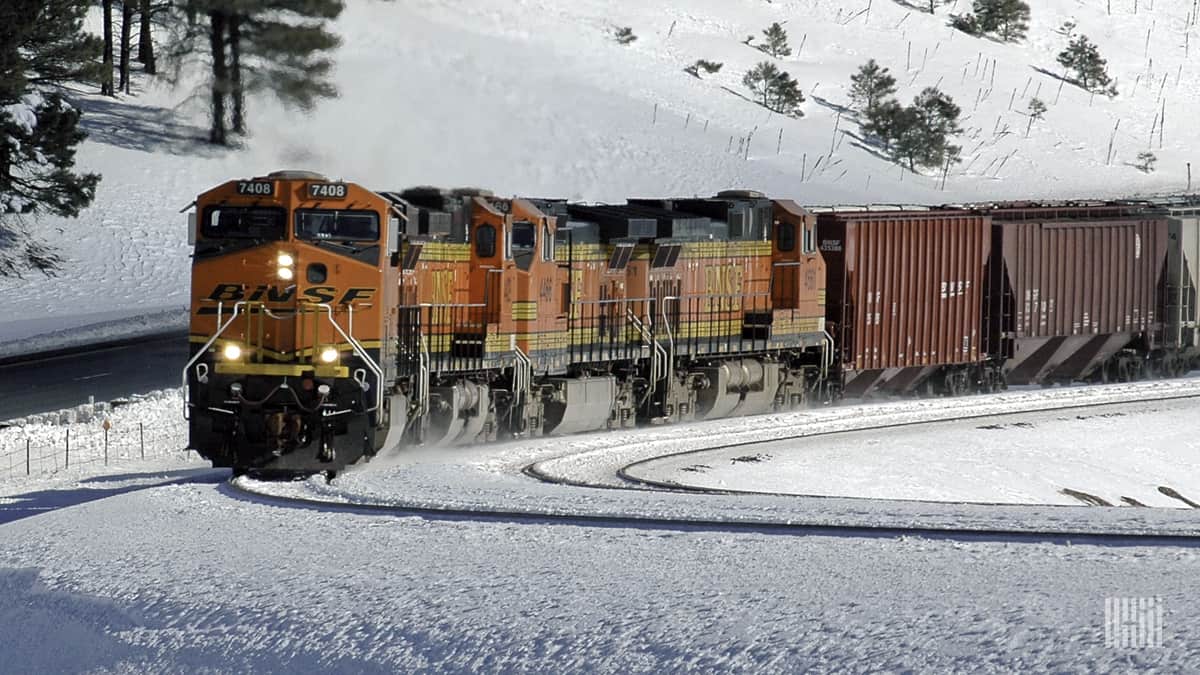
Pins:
<point x="1081" y="289"/>
<point x="906" y="296"/>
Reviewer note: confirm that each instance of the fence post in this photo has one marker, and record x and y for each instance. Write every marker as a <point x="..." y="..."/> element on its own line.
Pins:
<point x="67" y="465"/>
<point x="26" y="456"/>
<point x="142" y="438"/>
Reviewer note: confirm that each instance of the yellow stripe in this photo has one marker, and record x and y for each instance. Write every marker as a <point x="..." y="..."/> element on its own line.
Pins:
<point x="282" y="356"/>
<point x="279" y="369"/>
<point x="524" y="310"/>
<point x="441" y="251"/>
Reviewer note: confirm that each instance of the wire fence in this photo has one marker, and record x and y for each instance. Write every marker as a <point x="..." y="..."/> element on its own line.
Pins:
<point x="79" y="445"/>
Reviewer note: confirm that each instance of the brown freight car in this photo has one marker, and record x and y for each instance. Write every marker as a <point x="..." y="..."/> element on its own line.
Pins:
<point x="1080" y="295"/>
<point x="905" y="299"/>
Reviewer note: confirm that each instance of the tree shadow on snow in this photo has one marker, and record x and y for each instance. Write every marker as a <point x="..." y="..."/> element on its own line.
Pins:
<point x="44" y="501"/>
<point x="142" y="127"/>
<point x="1053" y="75"/>
<point x="48" y="627"/>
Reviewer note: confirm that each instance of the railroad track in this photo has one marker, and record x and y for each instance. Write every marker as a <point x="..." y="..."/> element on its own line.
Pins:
<point x="244" y="489"/>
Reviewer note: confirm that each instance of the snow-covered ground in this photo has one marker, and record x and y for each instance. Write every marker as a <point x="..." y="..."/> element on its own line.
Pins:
<point x="188" y="578"/>
<point x="1123" y="451"/>
<point x="535" y="97"/>
<point x="161" y="567"/>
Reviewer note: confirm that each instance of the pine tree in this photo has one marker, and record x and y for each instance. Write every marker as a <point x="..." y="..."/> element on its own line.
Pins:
<point x="1090" y="70"/>
<point x="871" y="85"/>
<point x="145" y="39"/>
<point x="925" y="130"/>
<point x="1037" y="110"/>
<point x="775" y="90"/>
<point x="1009" y="19"/>
<point x="42" y="45"/>
<point x="281" y="47"/>
<point x="126" y="46"/>
<point x="106" y="78"/>
<point x="710" y="67"/>
<point x="759" y="80"/>
<point x="884" y="121"/>
<point x="785" y="95"/>
<point x="777" y="41"/>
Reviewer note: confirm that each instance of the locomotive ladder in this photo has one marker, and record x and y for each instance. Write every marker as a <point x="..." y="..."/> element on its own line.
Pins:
<point x="658" y="355"/>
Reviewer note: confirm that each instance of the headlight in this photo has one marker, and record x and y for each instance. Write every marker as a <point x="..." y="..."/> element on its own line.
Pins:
<point x="285" y="260"/>
<point x="232" y="352"/>
<point x="286" y="273"/>
<point x="329" y="355"/>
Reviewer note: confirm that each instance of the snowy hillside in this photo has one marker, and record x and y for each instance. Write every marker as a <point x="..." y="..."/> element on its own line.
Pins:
<point x="536" y="97"/>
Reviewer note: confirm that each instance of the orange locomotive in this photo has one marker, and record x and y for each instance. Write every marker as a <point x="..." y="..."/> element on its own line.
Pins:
<point x="330" y="322"/>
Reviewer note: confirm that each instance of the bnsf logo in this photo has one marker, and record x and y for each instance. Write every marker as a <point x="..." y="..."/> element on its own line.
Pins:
<point x="326" y="294"/>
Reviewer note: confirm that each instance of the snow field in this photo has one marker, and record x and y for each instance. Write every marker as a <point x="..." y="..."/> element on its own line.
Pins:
<point x="211" y="583"/>
<point x="1121" y="452"/>
<point x="534" y="97"/>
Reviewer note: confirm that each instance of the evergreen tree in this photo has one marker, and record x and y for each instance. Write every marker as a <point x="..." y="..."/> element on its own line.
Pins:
<point x="785" y="95"/>
<point x="759" y="80"/>
<point x="280" y="47"/>
<point x="42" y="45"/>
<point x="884" y="121"/>
<point x="774" y="89"/>
<point x="777" y="41"/>
<point x="126" y="46"/>
<point x="1009" y="19"/>
<point x="1090" y="70"/>
<point x="145" y="39"/>
<point x="710" y="67"/>
<point x="924" y="130"/>
<point x="1037" y="110"/>
<point x="106" y="78"/>
<point x="871" y="85"/>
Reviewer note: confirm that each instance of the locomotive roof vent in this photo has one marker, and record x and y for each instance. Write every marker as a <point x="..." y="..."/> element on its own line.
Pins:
<point x="740" y="194"/>
<point x="291" y="174"/>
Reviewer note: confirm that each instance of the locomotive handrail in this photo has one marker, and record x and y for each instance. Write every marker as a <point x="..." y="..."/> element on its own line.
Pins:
<point x="221" y="328"/>
<point x="362" y="354"/>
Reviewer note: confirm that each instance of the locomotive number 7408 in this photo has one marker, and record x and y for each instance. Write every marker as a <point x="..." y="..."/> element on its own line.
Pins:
<point x="327" y="190"/>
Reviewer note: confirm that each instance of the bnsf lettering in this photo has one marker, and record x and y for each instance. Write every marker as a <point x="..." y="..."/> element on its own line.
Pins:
<point x="325" y="294"/>
<point x="722" y="281"/>
<point x="327" y="190"/>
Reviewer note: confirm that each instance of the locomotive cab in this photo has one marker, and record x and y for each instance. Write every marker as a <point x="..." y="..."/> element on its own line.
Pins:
<point x="293" y="276"/>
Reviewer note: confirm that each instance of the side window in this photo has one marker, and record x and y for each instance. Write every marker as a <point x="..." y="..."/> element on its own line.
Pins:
<point x="809" y="246"/>
<point x="785" y="236"/>
<point x="522" y="240"/>
<point x="485" y="241"/>
<point x="547" y="243"/>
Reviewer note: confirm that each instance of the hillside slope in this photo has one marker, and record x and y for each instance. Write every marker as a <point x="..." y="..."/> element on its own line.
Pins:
<point x="535" y="97"/>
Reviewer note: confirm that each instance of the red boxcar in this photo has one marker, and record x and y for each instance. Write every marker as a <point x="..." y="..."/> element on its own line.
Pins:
<point x="906" y="295"/>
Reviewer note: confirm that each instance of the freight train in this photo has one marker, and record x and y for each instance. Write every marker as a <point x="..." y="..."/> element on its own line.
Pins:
<point x="330" y="322"/>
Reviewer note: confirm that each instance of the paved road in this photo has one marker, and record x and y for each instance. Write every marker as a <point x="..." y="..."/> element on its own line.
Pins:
<point x="68" y="380"/>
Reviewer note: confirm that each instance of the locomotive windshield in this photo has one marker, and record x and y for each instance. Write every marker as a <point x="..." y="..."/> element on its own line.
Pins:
<point x="321" y="225"/>
<point x="244" y="222"/>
